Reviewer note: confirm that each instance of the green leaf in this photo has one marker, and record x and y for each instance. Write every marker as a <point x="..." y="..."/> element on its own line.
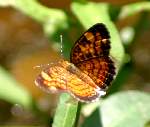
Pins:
<point x="131" y="9"/>
<point x="66" y="112"/>
<point x="13" y="92"/>
<point x="91" y="13"/>
<point x="126" y="109"/>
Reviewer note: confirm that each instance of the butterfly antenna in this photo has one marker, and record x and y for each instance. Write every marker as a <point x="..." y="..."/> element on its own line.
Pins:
<point x="61" y="51"/>
<point x="61" y="46"/>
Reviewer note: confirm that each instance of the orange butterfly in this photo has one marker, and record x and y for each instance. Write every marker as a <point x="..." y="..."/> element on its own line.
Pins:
<point x="90" y="70"/>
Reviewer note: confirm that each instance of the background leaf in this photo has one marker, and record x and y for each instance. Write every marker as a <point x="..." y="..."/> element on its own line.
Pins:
<point x="13" y="92"/>
<point x="131" y="9"/>
<point x="126" y="109"/>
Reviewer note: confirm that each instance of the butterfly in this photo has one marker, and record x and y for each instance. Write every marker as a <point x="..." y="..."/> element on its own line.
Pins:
<point x="90" y="70"/>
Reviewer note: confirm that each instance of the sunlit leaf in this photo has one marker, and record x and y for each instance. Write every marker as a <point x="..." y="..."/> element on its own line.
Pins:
<point x="66" y="112"/>
<point x="126" y="109"/>
<point x="13" y="92"/>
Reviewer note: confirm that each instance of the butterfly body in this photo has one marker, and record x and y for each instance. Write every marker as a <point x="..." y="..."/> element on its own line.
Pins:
<point x="90" y="70"/>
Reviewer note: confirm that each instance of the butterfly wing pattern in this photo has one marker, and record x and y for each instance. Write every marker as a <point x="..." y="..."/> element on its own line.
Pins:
<point x="91" y="55"/>
<point x="91" y="69"/>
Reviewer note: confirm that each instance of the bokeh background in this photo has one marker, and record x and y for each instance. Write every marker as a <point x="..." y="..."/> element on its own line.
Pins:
<point x="23" y="46"/>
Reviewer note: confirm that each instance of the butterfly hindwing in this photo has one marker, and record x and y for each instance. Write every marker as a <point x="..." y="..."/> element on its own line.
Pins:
<point x="101" y="70"/>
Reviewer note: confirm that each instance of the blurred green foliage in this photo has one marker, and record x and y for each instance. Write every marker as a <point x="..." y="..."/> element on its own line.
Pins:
<point x="123" y="109"/>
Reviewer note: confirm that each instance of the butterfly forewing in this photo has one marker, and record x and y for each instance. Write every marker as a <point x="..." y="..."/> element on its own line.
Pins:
<point x="91" y="55"/>
<point x="93" y="43"/>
